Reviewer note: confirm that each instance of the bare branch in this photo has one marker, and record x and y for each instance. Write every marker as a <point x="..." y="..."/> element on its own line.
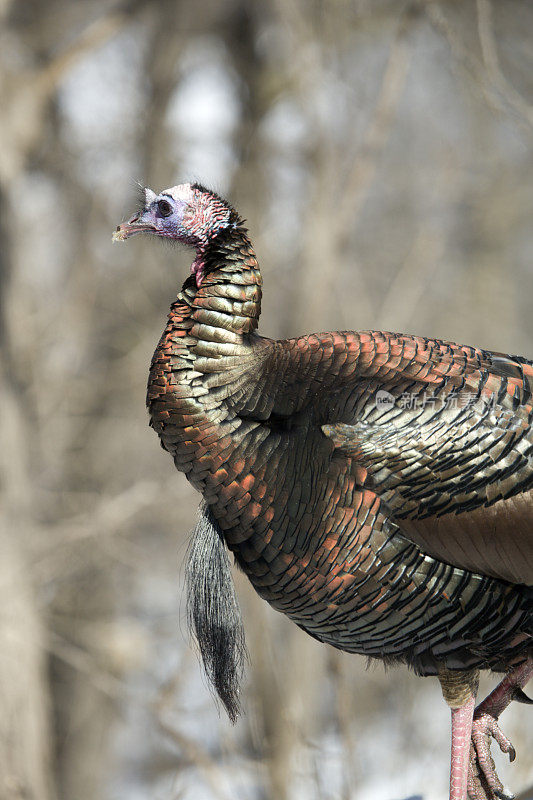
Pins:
<point x="192" y="751"/>
<point x="491" y="60"/>
<point x="409" y="285"/>
<point x="365" y="164"/>
<point x="498" y="94"/>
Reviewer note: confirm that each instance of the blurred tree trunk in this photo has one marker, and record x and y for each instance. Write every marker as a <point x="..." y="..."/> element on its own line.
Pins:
<point x="27" y="754"/>
<point x="25" y="730"/>
<point x="25" y="735"/>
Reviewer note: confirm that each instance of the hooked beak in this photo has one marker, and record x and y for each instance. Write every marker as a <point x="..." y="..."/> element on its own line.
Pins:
<point x="139" y="223"/>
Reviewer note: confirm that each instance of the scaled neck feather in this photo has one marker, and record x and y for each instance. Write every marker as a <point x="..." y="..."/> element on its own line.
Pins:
<point x="223" y="291"/>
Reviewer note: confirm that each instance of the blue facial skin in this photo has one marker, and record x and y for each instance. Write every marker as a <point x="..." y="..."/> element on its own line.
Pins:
<point x="162" y="215"/>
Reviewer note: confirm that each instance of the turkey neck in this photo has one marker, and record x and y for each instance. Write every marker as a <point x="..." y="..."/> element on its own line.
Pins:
<point x="198" y="375"/>
<point x="228" y="301"/>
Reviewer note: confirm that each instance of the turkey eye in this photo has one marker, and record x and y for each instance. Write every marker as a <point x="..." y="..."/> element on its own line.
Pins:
<point x="164" y="208"/>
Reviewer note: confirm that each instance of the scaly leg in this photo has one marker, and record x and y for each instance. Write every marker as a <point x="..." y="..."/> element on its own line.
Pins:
<point x="459" y="688"/>
<point x="483" y="782"/>
<point x="460" y="757"/>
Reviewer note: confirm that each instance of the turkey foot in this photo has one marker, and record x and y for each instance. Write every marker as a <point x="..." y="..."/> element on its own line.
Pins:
<point x="483" y="782"/>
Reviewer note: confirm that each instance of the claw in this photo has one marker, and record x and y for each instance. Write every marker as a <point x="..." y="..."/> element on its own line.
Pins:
<point x="503" y="796"/>
<point x="483" y="776"/>
<point x="521" y="697"/>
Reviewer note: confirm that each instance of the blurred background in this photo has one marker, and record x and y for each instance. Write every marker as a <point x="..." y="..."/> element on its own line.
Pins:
<point x="382" y="153"/>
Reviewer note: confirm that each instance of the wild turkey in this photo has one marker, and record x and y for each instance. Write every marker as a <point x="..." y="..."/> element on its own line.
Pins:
<point x="375" y="487"/>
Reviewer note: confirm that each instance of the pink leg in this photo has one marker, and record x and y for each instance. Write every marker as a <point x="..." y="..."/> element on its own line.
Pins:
<point x="461" y="733"/>
<point x="483" y="782"/>
<point x="500" y="697"/>
<point x="459" y="688"/>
